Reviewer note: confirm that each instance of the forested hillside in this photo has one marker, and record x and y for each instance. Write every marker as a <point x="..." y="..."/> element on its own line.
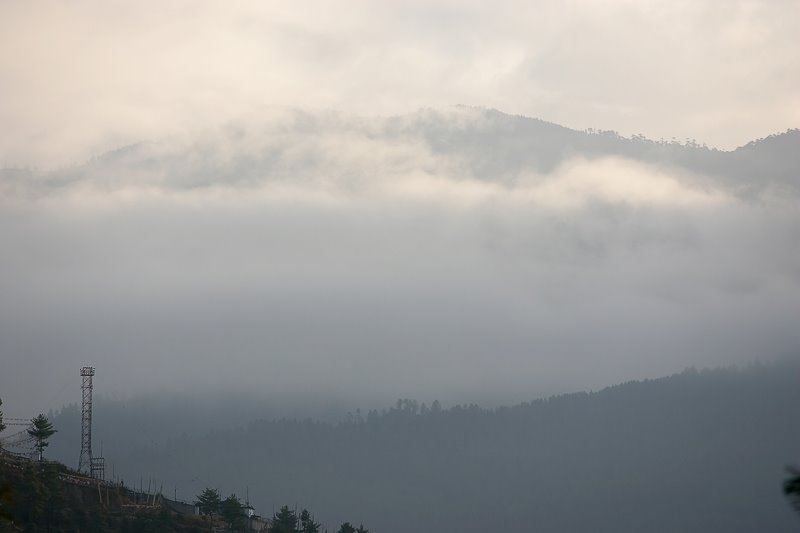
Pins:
<point x="49" y="497"/>
<point x="697" y="451"/>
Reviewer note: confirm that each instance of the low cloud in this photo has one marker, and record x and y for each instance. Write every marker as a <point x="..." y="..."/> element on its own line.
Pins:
<point x="333" y="259"/>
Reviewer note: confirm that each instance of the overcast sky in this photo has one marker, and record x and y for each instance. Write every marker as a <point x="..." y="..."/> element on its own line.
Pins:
<point x="253" y="248"/>
<point x="79" y="78"/>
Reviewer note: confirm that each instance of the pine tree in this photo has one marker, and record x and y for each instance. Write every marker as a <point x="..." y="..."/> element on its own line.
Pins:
<point x="208" y="502"/>
<point x="307" y="523"/>
<point x="347" y="528"/>
<point x="232" y="511"/>
<point x="284" y="521"/>
<point x="41" y="429"/>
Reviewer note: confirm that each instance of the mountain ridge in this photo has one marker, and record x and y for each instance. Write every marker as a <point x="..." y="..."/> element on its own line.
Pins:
<point x="495" y="145"/>
<point x="695" y="451"/>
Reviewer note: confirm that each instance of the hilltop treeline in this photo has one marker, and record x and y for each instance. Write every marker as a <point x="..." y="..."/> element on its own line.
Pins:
<point x="697" y="451"/>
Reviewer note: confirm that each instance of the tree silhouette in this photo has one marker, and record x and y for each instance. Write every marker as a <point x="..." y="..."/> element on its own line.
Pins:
<point x="208" y="502"/>
<point x="2" y="426"/>
<point x="307" y="523"/>
<point x="284" y="521"/>
<point x="347" y="528"/>
<point x="41" y="429"/>
<point x="791" y="487"/>
<point x="232" y="511"/>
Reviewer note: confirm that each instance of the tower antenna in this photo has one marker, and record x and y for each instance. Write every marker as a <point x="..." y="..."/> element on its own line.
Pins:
<point x="85" y="461"/>
<point x="94" y="466"/>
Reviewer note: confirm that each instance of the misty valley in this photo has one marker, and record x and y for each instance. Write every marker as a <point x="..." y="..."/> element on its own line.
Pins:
<point x="384" y="266"/>
<point x="696" y="451"/>
<point x="256" y="297"/>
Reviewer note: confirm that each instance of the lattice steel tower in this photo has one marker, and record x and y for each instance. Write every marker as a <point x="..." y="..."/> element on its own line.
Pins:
<point x="85" y="462"/>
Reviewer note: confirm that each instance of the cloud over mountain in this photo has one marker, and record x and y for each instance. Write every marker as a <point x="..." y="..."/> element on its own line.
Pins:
<point x="108" y="75"/>
<point x="476" y="254"/>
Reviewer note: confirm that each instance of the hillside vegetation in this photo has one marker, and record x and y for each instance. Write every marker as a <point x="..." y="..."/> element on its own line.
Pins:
<point x="697" y="451"/>
<point x="50" y="497"/>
